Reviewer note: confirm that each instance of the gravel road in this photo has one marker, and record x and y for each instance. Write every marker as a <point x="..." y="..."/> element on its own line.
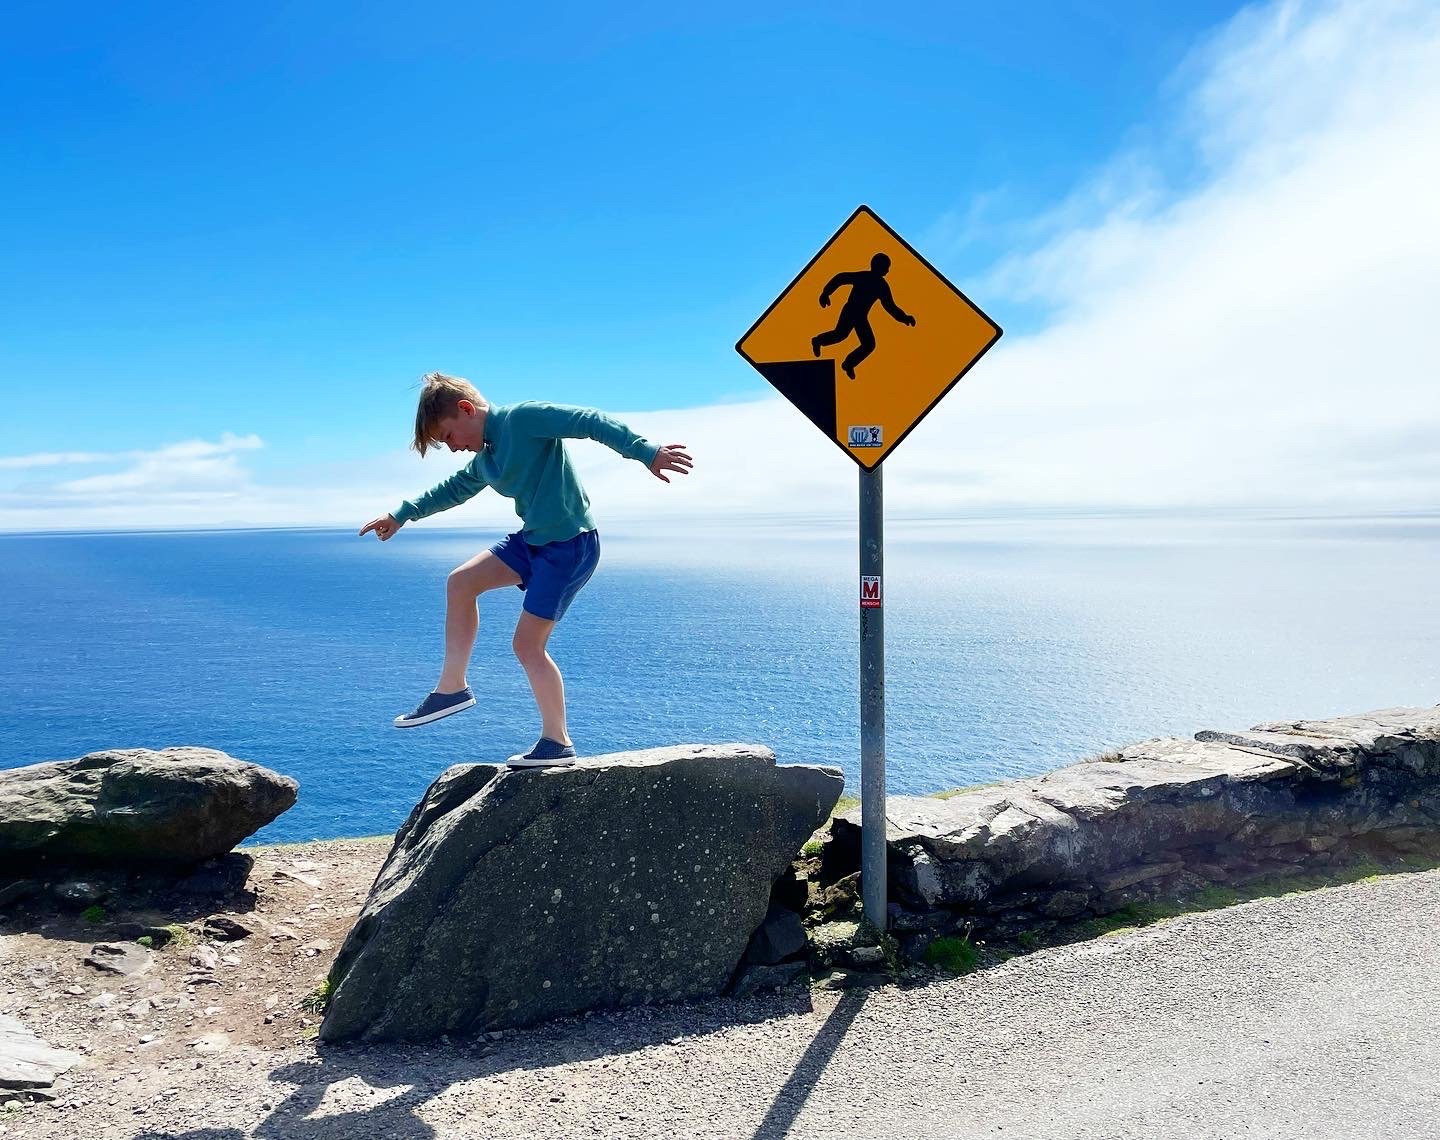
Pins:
<point x="1313" y="1016"/>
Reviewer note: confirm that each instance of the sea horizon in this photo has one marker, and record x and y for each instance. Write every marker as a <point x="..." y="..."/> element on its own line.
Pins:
<point x="1014" y="644"/>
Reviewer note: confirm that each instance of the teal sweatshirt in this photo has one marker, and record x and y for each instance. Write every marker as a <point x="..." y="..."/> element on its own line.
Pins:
<point x="525" y="460"/>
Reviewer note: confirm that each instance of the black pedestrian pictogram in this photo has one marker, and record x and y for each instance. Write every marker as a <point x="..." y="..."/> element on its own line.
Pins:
<point x="866" y="287"/>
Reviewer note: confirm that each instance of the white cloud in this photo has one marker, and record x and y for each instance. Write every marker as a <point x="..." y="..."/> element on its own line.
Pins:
<point x="1255" y="332"/>
<point x="51" y="459"/>
<point x="180" y="484"/>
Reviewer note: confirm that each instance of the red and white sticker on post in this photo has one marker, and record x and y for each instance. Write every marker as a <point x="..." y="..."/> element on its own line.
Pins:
<point x="870" y="591"/>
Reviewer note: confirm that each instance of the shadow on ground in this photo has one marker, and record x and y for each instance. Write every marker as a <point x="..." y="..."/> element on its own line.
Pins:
<point x="415" y="1074"/>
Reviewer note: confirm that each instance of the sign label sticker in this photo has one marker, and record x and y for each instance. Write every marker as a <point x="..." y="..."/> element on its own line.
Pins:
<point x="868" y="335"/>
<point x="870" y="591"/>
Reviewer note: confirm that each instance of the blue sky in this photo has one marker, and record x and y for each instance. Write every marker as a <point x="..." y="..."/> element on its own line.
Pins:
<point x="251" y="217"/>
<point x="263" y="223"/>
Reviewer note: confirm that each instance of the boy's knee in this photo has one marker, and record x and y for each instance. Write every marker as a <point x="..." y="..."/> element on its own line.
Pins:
<point x="460" y="584"/>
<point x="527" y="649"/>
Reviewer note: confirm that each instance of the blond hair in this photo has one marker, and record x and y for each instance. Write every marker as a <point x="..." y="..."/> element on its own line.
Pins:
<point x="440" y="395"/>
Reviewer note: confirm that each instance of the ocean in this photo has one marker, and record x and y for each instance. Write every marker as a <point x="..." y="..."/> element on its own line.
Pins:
<point x="1014" y="645"/>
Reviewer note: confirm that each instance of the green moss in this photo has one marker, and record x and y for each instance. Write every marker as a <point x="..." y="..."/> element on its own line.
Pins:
<point x="844" y="804"/>
<point x="93" y="914"/>
<point x="146" y="941"/>
<point x="957" y="955"/>
<point x="180" y="936"/>
<point x="812" y="847"/>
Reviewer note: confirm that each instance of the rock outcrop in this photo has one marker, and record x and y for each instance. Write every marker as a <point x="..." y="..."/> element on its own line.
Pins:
<point x="178" y="805"/>
<point x="1165" y="816"/>
<point x="511" y="897"/>
<point x="27" y="1062"/>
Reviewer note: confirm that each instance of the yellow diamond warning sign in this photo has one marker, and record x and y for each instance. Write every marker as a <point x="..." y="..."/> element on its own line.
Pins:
<point x="867" y="339"/>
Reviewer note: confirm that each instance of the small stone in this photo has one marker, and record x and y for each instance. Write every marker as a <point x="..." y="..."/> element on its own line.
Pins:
<point x="77" y="991"/>
<point x="80" y="893"/>
<point x="867" y="955"/>
<point x="204" y="958"/>
<point x="119" y="958"/>
<point x="308" y="880"/>
<point x="223" y="928"/>
<point x="211" y="1043"/>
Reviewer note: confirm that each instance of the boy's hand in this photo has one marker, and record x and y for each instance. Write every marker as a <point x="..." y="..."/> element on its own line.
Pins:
<point x="384" y="527"/>
<point x="671" y="457"/>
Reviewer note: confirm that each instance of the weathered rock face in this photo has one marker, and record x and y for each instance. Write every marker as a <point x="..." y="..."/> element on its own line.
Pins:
<point x="1093" y="836"/>
<point x="26" y="1062"/>
<point x="175" y="805"/>
<point x="511" y="897"/>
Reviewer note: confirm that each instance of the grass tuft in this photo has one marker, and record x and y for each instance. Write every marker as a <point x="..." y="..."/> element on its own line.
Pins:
<point x="319" y="1000"/>
<point x="957" y="955"/>
<point x="93" y="914"/>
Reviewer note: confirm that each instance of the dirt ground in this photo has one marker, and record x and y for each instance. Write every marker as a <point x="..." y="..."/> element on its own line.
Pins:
<point x="208" y="989"/>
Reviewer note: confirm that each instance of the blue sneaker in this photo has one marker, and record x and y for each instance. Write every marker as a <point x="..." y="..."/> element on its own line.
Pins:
<point x="435" y="706"/>
<point x="547" y="753"/>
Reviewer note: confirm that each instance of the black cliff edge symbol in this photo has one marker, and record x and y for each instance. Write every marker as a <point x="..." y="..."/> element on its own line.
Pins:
<point x="867" y="286"/>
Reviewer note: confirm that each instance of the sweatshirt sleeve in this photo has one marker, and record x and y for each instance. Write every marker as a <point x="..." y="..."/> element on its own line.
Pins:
<point x="463" y="485"/>
<point x="565" y="421"/>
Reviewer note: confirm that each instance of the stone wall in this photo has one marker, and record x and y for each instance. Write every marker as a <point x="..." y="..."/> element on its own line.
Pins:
<point x="1164" y="818"/>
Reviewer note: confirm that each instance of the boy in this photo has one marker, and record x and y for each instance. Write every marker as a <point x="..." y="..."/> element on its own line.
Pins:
<point x="518" y="451"/>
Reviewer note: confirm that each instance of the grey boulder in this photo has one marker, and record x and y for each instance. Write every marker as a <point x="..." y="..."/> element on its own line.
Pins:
<point x="175" y="805"/>
<point x="511" y="897"/>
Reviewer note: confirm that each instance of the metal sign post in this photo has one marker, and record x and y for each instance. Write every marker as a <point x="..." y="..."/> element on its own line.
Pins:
<point x="873" y="872"/>
<point x="865" y="342"/>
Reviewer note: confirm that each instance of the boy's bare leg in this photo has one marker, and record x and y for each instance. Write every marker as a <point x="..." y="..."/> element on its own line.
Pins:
<point x="531" y="635"/>
<point x="465" y="584"/>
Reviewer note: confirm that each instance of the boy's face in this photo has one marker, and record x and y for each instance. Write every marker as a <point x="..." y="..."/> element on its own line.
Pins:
<point x="463" y="431"/>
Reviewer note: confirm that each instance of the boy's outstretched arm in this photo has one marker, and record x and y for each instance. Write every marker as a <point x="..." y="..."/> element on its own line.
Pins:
<point x="566" y="421"/>
<point x="463" y="485"/>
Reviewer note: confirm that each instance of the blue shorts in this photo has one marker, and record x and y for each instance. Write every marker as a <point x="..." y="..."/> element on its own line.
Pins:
<point x="551" y="575"/>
